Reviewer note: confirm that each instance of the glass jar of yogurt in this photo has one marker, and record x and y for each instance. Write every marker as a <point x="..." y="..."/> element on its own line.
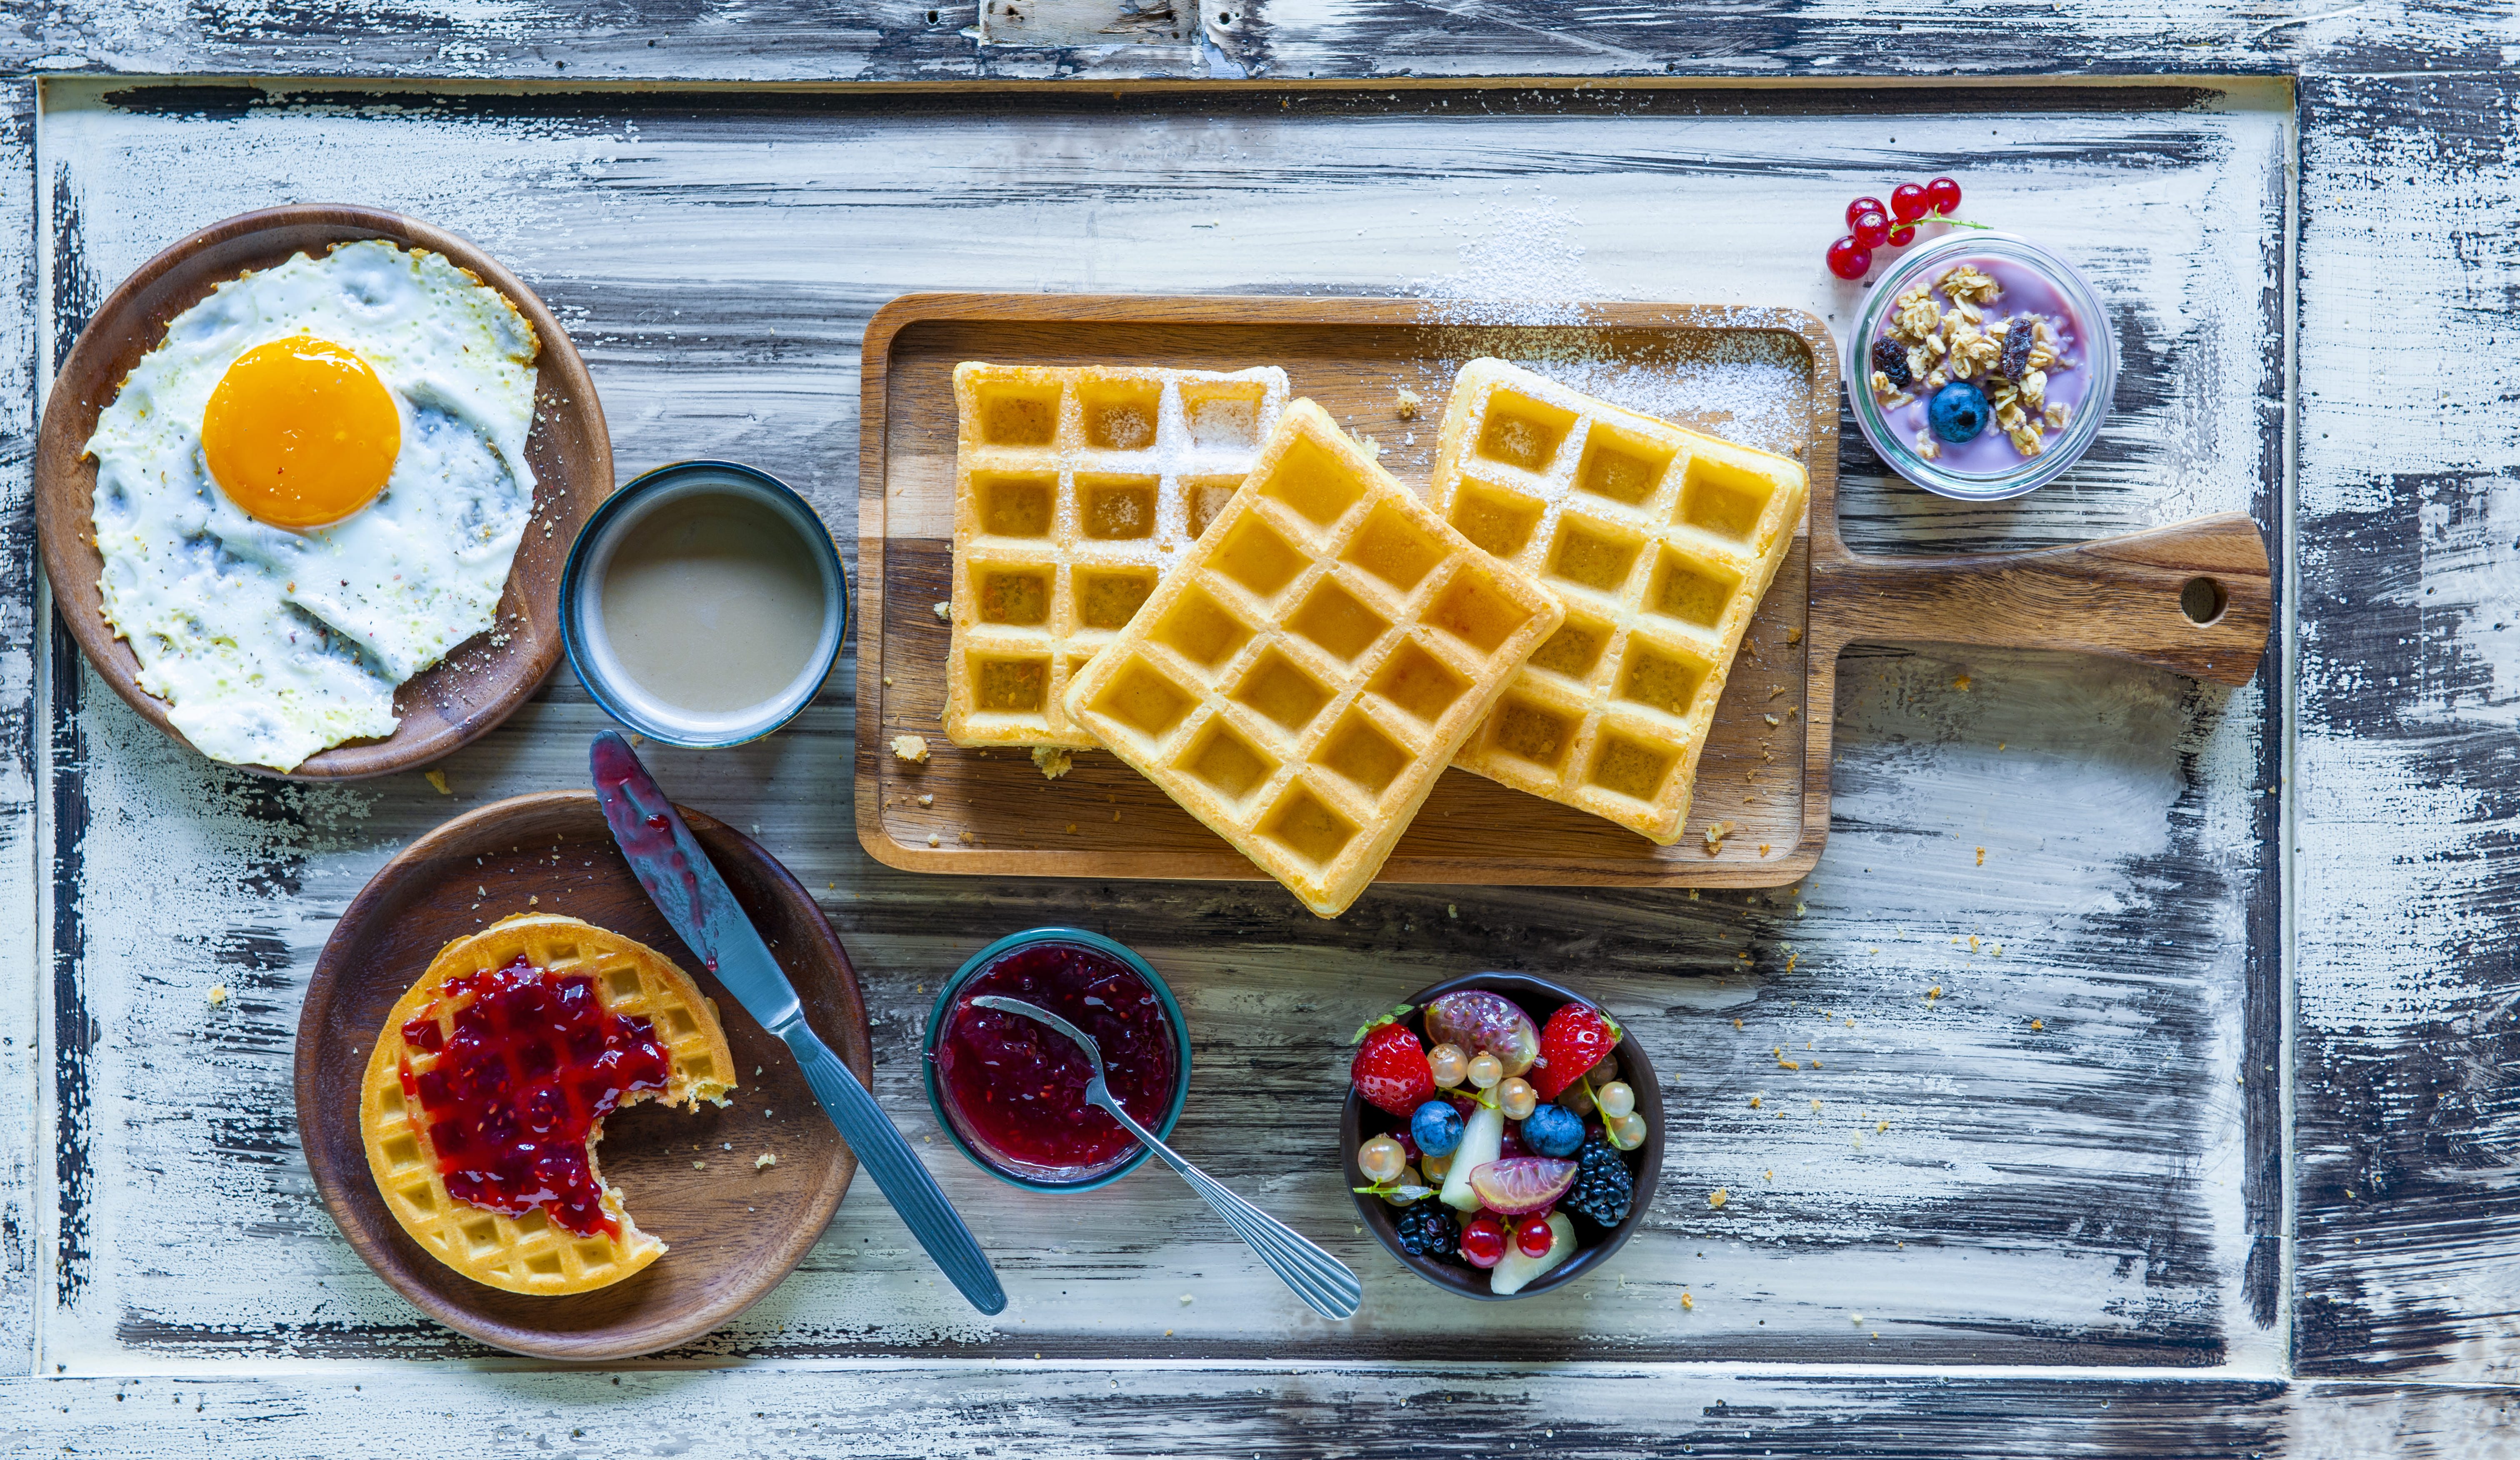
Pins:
<point x="1982" y="366"/>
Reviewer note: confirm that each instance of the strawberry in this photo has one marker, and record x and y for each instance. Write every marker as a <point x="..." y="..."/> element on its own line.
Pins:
<point x="1574" y="1040"/>
<point x="1390" y="1069"/>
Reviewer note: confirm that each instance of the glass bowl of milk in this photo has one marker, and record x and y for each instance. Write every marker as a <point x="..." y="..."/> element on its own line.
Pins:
<point x="1936" y="325"/>
<point x="703" y="604"/>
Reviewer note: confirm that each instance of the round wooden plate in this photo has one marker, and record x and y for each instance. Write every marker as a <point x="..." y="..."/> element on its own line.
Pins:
<point x="485" y="679"/>
<point x="733" y="1229"/>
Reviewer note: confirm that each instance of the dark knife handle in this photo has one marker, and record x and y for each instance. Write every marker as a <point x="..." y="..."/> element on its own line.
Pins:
<point x="896" y="1168"/>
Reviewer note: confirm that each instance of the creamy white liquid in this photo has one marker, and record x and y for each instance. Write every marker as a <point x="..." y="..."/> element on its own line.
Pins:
<point x="713" y="604"/>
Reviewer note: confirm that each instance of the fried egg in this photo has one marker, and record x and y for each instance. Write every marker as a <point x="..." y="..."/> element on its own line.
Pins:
<point x="312" y="490"/>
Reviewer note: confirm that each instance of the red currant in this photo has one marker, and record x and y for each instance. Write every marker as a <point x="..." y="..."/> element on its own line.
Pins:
<point x="1862" y="206"/>
<point x="1870" y="229"/>
<point x="1943" y="196"/>
<point x="1907" y="202"/>
<point x="1534" y="1238"/>
<point x="1848" y="259"/>
<point x="1902" y="235"/>
<point x="1483" y="1241"/>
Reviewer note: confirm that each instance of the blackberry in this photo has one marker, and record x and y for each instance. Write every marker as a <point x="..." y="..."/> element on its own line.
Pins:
<point x="2017" y="338"/>
<point x="1890" y="357"/>
<point x="1428" y="1230"/>
<point x="1603" y="1187"/>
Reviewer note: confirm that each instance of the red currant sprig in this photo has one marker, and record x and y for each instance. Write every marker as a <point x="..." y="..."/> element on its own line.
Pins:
<point x="1870" y="224"/>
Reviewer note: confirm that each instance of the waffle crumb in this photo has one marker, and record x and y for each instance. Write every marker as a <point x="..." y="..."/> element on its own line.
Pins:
<point x="218" y="994"/>
<point x="1715" y="836"/>
<point x="1405" y="404"/>
<point x="1719" y="1197"/>
<point x="1980" y="857"/>
<point x="1961" y="684"/>
<point x="911" y="748"/>
<point x="699" y="1166"/>
<point x="1687" y="1302"/>
<point x="765" y="1158"/>
<point x="1934" y="992"/>
<point x="436" y="780"/>
<point x="945" y="610"/>
<point x="935" y="840"/>
<point x="2037" y="1025"/>
<point x="1793" y="635"/>
<point x="928" y="801"/>
<point x="1053" y="760"/>
<point x="1754" y="1102"/>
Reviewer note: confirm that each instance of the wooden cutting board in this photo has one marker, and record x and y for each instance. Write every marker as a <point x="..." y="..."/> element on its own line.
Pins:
<point x="1767" y="377"/>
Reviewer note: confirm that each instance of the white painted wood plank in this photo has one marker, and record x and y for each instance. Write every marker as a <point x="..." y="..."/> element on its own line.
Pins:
<point x="2071" y="1193"/>
<point x="23" y="979"/>
<point x="2409" y="693"/>
<point x="964" y="1411"/>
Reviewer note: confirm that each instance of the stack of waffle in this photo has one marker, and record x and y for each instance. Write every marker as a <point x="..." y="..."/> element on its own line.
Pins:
<point x="1293" y="647"/>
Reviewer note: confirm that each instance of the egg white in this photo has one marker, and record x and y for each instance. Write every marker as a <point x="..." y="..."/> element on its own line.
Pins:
<point x="270" y="645"/>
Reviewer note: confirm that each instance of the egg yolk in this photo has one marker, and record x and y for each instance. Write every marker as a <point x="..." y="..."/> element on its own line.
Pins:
<point x="300" y="432"/>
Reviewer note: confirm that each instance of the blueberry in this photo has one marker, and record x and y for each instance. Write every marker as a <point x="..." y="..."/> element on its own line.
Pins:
<point x="1552" y="1131"/>
<point x="1436" y="1128"/>
<point x="1959" y="412"/>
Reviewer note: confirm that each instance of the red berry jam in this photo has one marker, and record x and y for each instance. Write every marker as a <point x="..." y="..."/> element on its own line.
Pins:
<point x="1016" y="1089"/>
<point x="533" y="1065"/>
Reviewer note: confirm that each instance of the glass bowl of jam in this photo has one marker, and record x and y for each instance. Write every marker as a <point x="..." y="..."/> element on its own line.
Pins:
<point x="1982" y="366"/>
<point x="1011" y="1091"/>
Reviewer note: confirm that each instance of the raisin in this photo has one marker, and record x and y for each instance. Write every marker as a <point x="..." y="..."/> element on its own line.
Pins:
<point x="1890" y="357"/>
<point x="2017" y="338"/>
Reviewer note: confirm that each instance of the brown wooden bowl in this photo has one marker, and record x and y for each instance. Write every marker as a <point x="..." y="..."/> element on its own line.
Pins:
<point x="733" y="1229"/>
<point x="484" y="679"/>
<point x="1360" y="1122"/>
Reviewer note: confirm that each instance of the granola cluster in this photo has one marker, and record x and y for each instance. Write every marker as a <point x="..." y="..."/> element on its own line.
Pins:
<point x="2009" y="359"/>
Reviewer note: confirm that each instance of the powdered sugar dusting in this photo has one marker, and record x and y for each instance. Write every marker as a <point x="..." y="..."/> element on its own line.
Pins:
<point x="1524" y="294"/>
<point x="1525" y="268"/>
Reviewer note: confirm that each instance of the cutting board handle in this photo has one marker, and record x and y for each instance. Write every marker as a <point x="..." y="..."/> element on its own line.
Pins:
<point x="2195" y="597"/>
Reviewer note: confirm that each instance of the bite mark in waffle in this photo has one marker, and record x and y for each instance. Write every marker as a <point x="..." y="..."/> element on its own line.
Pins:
<point x="1660" y="541"/>
<point x="530" y="1253"/>
<point x="1302" y="679"/>
<point x="1076" y="490"/>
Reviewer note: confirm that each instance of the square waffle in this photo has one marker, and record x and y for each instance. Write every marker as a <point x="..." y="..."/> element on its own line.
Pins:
<point x="1304" y="674"/>
<point x="1076" y="490"/>
<point x="1660" y="540"/>
<point x="528" y="1253"/>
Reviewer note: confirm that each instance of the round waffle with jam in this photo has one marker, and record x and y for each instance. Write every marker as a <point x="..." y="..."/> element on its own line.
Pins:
<point x="489" y="1085"/>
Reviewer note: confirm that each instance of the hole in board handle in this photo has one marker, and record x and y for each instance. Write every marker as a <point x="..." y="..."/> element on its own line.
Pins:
<point x="2203" y="601"/>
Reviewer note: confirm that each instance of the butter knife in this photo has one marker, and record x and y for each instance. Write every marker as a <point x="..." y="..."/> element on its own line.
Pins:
<point x="695" y="899"/>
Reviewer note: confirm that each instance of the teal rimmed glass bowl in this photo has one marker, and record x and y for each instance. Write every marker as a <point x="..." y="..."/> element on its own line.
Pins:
<point x="973" y="1143"/>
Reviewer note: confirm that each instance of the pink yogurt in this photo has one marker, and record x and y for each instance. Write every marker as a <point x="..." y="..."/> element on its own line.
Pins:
<point x="2023" y="292"/>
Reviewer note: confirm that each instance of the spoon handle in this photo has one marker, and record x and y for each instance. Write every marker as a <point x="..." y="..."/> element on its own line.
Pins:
<point x="1318" y="1278"/>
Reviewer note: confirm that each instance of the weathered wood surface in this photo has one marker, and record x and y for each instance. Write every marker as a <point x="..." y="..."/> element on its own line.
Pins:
<point x="2397" y="826"/>
<point x="915" y="41"/>
<point x="2100" y="1190"/>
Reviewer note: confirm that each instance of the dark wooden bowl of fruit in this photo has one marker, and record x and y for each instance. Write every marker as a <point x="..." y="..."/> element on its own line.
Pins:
<point x="1468" y="1194"/>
